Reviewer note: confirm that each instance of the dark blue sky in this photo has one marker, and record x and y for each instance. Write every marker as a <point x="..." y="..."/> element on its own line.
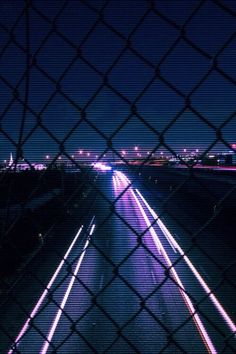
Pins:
<point x="152" y="32"/>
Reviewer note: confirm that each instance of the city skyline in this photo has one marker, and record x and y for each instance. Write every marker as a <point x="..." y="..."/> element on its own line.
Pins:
<point x="144" y="73"/>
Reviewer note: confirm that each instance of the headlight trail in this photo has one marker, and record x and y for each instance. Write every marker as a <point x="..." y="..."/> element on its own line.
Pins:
<point x="66" y="295"/>
<point x="45" y="292"/>
<point x="201" y="329"/>
<point x="115" y="181"/>
<point x="208" y="291"/>
<point x="101" y="166"/>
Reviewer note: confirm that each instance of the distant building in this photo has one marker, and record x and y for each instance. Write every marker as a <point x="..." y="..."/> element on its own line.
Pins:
<point x="24" y="166"/>
<point x="224" y="159"/>
<point x="11" y="161"/>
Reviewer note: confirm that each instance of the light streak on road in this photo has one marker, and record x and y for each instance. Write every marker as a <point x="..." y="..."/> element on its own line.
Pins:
<point x="45" y="292"/>
<point x="66" y="295"/>
<point x="121" y="182"/>
<point x="208" y="291"/>
<point x="123" y="178"/>
<point x="149" y="225"/>
<point x="206" y="339"/>
<point x="115" y="181"/>
<point x="100" y="166"/>
<point x="201" y="329"/>
<point x="92" y="230"/>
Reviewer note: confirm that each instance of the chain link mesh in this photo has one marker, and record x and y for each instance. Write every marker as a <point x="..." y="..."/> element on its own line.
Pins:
<point x="123" y="236"/>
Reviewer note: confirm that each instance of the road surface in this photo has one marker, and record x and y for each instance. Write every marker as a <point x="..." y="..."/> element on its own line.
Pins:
<point x="125" y="285"/>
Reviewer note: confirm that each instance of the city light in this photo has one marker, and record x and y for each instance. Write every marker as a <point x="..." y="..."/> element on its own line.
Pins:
<point x="220" y="160"/>
<point x="100" y="166"/>
<point x="110" y="244"/>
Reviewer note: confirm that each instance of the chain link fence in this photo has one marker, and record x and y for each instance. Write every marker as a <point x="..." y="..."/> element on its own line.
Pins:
<point x="118" y="200"/>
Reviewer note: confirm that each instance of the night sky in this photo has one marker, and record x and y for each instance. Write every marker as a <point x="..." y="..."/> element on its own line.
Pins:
<point x="152" y="32"/>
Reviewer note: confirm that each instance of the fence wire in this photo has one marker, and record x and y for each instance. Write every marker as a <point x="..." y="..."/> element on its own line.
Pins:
<point x="40" y="210"/>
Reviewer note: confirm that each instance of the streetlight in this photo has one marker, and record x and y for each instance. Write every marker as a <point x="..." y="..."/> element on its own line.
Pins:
<point x="47" y="157"/>
<point x="136" y="148"/>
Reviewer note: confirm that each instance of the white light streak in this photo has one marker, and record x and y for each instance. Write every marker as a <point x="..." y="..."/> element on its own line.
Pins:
<point x="117" y="181"/>
<point x="41" y="299"/>
<point x="66" y="295"/>
<point x="202" y="331"/>
<point x="171" y="239"/>
<point x="92" y="230"/>
<point x="165" y="231"/>
<point x="114" y="182"/>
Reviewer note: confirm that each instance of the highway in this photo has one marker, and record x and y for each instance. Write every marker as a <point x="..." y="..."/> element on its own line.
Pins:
<point x="125" y="285"/>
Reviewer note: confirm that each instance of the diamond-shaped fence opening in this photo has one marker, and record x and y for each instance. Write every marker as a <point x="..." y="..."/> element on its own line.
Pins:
<point x="117" y="176"/>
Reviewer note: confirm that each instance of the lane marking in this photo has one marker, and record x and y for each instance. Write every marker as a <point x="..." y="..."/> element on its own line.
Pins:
<point x="166" y="234"/>
<point x="92" y="230"/>
<point x="101" y="282"/>
<point x="45" y="292"/>
<point x="202" y="282"/>
<point x="153" y="278"/>
<point x="65" y="298"/>
<point x="91" y="222"/>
